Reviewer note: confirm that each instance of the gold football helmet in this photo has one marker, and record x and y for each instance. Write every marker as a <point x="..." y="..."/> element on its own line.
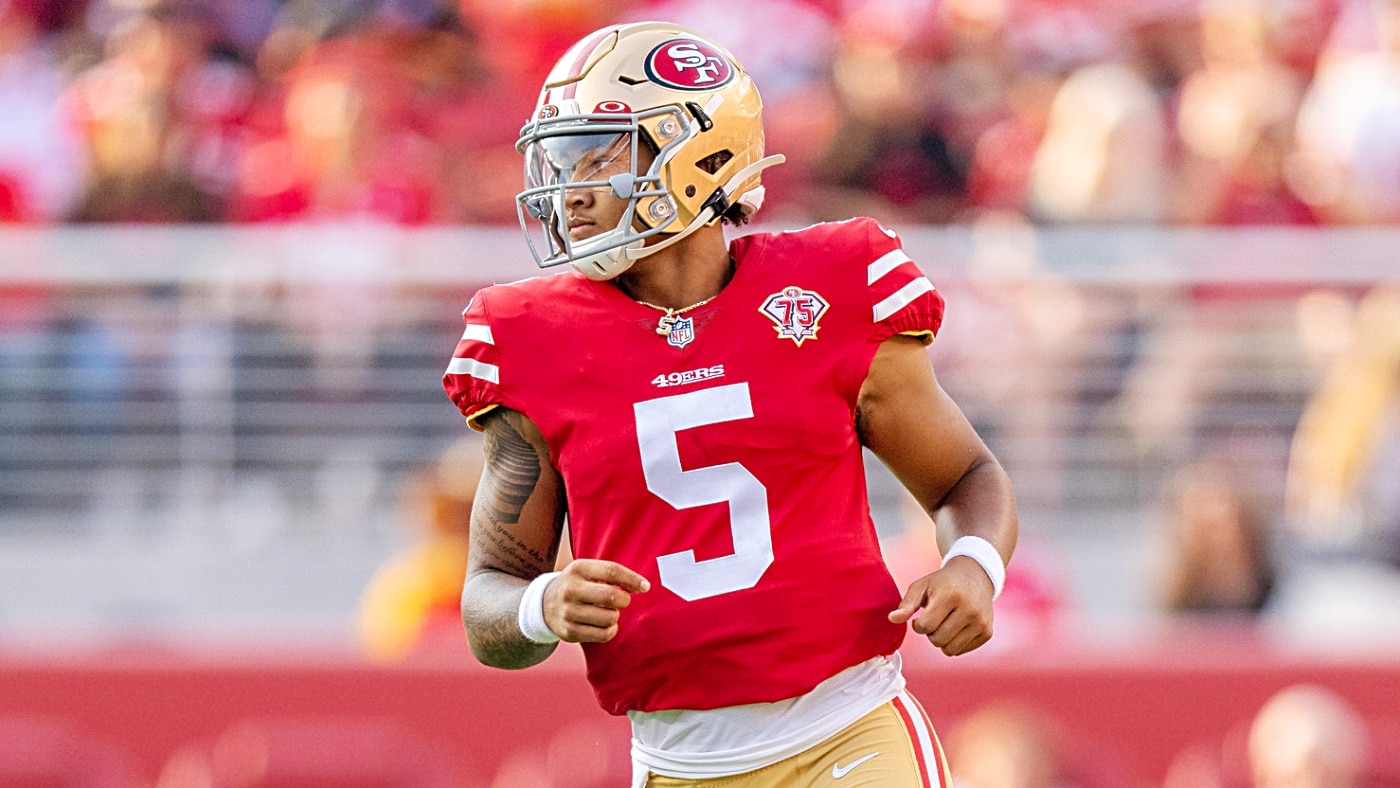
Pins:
<point x="649" y="84"/>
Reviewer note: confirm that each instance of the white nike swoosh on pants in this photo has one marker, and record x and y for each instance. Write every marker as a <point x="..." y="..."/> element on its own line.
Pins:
<point x="838" y="771"/>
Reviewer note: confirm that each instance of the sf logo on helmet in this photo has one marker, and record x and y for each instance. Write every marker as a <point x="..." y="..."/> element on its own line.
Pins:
<point x="687" y="64"/>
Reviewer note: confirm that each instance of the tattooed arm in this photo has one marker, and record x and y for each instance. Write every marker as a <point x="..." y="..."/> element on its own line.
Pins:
<point x="516" y="523"/>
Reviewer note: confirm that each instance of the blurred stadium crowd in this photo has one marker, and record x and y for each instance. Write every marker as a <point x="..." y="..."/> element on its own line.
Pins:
<point x="1177" y="112"/>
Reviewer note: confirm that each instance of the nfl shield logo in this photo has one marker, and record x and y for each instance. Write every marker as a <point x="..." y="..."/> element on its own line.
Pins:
<point x="796" y="313"/>
<point x="682" y="332"/>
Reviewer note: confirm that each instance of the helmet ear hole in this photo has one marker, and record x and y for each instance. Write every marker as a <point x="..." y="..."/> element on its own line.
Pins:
<point x="690" y="190"/>
<point x="714" y="162"/>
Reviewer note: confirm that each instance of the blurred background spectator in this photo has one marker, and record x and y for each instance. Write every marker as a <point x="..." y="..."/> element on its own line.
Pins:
<point x="416" y="596"/>
<point x="42" y="158"/>
<point x="1304" y="735"/>
<point x="1234" y="121"/>
<point x="1218" y="553"/>
<point x="1308" y="737"/>
<point x="1348" y="162"/>
<point x="1344" y="472"/>
<point x="1009" y="745"/>
<point x="150" y="113"/>
<point x="1104" y="156"/>
<point x="1343" y="485"/>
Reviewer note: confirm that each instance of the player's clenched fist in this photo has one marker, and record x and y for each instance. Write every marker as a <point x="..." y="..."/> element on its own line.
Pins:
<point x="957" y="606"/>
<point x="582" y="604"/>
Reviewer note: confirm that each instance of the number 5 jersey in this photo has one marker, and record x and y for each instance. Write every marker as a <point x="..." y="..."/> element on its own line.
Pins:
<point x="718" y="458"/>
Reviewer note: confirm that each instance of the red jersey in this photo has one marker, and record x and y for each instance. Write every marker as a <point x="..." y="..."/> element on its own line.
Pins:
<point x="720" y="461"/>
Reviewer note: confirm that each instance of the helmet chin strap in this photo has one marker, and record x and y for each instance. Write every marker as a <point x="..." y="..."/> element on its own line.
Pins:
<point x="702" y="220"/>
<point x="607" y="264"/>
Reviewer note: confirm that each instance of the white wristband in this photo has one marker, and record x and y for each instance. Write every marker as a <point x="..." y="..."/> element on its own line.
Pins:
<point x="981" y="551"/>
<point x="530" y="617"/>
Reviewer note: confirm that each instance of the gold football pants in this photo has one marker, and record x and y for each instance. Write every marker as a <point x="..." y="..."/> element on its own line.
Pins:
<point x="893" y="746"/>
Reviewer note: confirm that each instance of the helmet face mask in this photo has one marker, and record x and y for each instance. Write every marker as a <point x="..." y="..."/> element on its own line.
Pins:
<point x="573" y="152"/>
<point x="651" y="84"/>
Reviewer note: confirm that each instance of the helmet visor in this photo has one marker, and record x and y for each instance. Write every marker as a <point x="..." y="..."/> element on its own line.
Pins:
<point x="577" y="159"/>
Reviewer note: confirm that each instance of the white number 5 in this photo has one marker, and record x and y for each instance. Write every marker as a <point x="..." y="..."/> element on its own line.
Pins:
<point x="658" y="421"/>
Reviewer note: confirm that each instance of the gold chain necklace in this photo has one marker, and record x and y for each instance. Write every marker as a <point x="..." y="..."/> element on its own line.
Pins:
<point x="668" y="320"/>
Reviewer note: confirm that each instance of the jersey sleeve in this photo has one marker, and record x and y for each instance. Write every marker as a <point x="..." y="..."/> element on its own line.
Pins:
<point x="902" y="299"/>
<point x="473" y="376"/>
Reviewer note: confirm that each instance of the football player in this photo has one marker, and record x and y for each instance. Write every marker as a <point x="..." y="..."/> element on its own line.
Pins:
<point x="695" y="411"/>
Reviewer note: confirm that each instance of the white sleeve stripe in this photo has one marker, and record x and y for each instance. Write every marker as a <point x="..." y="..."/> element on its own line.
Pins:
<point x="888" y="262"/>
<point x="902" y="298"/>
<point x="470" y="366"/>
<point x="480" y="333"/>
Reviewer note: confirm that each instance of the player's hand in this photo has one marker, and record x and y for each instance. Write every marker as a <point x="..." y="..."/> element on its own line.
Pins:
<point x="582" y="604"/>
<point x="957" y="606"/>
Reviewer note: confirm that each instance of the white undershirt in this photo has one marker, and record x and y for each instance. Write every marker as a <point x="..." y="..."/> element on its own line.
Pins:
<point x="737" y="739"/>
